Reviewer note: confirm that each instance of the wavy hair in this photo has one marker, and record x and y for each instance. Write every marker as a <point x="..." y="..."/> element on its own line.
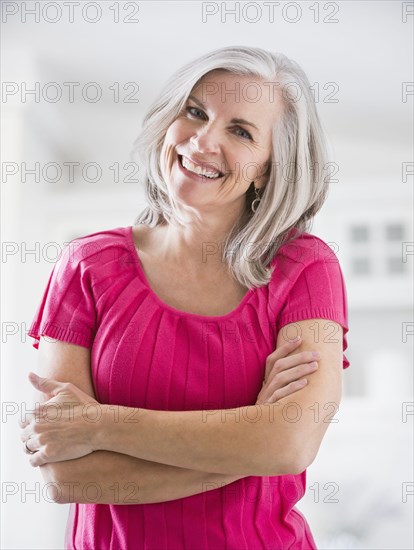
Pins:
<point x="296" y="187"/>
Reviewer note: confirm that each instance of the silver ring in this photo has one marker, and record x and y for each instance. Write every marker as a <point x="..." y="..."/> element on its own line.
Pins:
<point x="27" y="448"/>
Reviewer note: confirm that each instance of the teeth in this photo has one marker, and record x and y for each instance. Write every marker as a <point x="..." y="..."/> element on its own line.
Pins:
<point x="198" y="170"/>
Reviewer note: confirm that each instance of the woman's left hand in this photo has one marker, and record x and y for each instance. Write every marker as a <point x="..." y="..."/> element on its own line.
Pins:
<point x="62" y="428"/>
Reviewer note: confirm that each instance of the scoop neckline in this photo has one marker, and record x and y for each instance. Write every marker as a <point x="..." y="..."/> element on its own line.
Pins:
<point x="164" y="305"/>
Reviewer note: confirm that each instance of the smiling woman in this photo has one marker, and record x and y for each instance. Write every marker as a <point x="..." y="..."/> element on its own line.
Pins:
<point x="177" y="334"/>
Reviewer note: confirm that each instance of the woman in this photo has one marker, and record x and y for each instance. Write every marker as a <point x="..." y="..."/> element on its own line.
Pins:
<point x="168" y="417"/>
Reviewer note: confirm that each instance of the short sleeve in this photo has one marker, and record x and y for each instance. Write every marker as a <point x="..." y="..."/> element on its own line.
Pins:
<point x="67" y="310"/>
<point x="318" y="292"/>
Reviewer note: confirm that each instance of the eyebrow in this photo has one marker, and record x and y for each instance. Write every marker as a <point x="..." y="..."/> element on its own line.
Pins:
<point x="233" y="120"/>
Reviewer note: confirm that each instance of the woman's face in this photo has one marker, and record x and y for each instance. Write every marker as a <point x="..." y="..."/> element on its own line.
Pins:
<point x="224" y="130"/>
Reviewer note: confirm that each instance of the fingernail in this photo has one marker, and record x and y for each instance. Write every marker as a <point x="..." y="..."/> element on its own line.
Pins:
<point x="316" y="354"/>
<point x="296" y="339"/>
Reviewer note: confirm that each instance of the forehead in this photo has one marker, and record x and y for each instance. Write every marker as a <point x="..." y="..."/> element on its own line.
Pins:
<point x="240" y="95"/>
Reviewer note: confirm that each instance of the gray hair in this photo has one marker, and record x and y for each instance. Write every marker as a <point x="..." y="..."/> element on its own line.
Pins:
<point x="296" y="187"/>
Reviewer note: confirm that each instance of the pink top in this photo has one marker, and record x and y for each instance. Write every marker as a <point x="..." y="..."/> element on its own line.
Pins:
<point x="145" y="353"/>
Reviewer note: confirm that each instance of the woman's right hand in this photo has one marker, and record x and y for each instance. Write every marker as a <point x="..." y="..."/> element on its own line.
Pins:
<point x="284" y="375"/>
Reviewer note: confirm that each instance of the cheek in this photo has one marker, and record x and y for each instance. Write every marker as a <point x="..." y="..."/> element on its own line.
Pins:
<point x="168" y="152"/>
<point x="251" y="171"/>
<point x="177" y="133"/>
<point x="247" y="168"/>
<point x="253" y="166"/>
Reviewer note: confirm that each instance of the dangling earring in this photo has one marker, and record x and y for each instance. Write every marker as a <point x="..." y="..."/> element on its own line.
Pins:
<point x="256" y="201"/>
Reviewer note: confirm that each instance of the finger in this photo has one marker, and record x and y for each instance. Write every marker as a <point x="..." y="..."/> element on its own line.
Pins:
<point x="38" y="459"/>
<point x="31" y="444"/>
<point x="31" y="432"/>
<point x="26" y="448"/>
<point x="281" y="377"/>
<point x="291" y="364"/>
<point x="289" y="389"/>
<point x="280" y="352"/>
<point x="296" y="360"/>
<point x="41" y="413"/>
<point x="25" y="434"/>
<point x="45" y="385"/>
<point x="25" y="422"/>
<point x="285" y="391"/>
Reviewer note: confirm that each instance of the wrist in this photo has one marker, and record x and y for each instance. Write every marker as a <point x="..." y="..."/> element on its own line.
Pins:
<point x="99" y="430"/>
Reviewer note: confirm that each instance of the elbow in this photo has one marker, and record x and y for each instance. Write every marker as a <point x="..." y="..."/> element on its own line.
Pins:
<point x="292" y="460"/>
<point x="297" y="465"/>
<point x="301" y="458"/>
<point x="59" y="489"/>
<point x="293" y="467"/>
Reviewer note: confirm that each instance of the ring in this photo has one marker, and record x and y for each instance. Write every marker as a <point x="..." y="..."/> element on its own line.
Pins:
<point x="27" y="448"/>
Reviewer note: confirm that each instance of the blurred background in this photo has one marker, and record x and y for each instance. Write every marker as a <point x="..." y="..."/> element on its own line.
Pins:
<point x="76" y="83"/>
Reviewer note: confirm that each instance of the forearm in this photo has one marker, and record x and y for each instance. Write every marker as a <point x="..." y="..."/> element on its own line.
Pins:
<point x="105" y="477"/>
<point x="255" y="440"/>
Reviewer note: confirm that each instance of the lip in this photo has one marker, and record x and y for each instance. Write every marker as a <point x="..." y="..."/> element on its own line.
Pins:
<point x="193" y="176"/>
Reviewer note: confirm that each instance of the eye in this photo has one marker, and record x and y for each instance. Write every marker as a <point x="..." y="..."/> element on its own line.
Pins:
<point x="246" y="133"/>
<point x="190" y="109"/>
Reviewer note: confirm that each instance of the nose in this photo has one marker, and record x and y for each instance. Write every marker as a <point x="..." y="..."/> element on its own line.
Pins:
<point x="206" y="140"/>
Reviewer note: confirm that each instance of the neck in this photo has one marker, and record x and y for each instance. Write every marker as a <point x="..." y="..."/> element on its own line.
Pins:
<point x="199" y="244"/>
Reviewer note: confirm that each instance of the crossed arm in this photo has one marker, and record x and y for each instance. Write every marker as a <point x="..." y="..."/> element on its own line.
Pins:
<point x="169" y="455"/>
<point x="116" y="478"/>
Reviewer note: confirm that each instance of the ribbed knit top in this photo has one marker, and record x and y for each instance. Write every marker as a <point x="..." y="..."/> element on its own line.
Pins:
<point x="147" y="354"/>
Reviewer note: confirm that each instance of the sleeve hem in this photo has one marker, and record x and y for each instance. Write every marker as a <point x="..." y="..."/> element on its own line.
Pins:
<point x="60" y="333"/>
<point x="314" y="313"/>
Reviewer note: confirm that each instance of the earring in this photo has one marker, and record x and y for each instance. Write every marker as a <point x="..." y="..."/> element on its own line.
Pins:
<point x="256" y="201"/>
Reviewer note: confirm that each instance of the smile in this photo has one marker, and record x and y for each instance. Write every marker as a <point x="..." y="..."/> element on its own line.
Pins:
<point x="197" y="172"/>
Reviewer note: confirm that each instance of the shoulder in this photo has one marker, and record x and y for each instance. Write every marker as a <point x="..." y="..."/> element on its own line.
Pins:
<point x="98" y="247"/>
<point x="304" y="250"/>
<point x="306" y="262"/>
